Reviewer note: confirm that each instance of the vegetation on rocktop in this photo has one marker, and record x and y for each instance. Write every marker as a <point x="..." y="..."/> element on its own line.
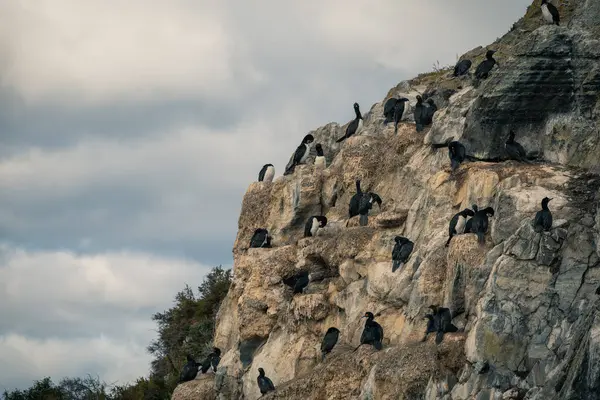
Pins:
<point x="187" y="327"/>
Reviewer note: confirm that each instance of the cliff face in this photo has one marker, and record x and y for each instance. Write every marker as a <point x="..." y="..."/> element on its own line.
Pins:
<point x="528" y="314"/>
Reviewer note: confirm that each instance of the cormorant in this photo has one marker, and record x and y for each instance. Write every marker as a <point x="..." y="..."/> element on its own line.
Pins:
<point x="452" y="228"/>
<point x="462" y="67"/>
<point x="388" y="109"/>
<point x="266" y="174"/>
<point x="418" y="113"/>
<point x="480" y="223"/>
<point x="439" y="321"/>
<point x="329" y="340"/>
<point x="212" y="359"/>
<point x="190" y="370"/>
<point x="320" y="157"/>
<point x="401" y="252"/>
<point x="297" y="281"/>
<point x="366" y="203"/>
<point x="398" y="111"/>
<point x="300" y="155"/>
<point x="427" y="117"/>
<point x="550" y="13"/>
<point x="353" y="127"/>
<point x="264" y="383"/>
<point x="469" y="222"/>
<point x="543" y="218"/>
<point x="372" y="334"/>
<point x="484" y="68"/>
<point x="355" y="201"/>
<point x="514" y="149"/>
<point x="457" y="154"/>
<point x="260" y="238"/>
<point x="313" y="224"/>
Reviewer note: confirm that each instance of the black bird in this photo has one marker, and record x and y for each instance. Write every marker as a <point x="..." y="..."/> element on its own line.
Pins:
<point x="419" y="113"/>
<point x="297" y="281"/>
<point x="469" y="223"/>
<point x="398" y="111"/>
<point x="372" y="334"/>
<point x="354" y="207"/>
<point x="427" y="116"/>
<point x="462" y="67"/>
<point x="401" y="252"/>
<point x="212" y="359"/>
<point x="260" y="238"/>
<point x="353" y="127"/>
<point x="266" y="174"/>
<point x="300" y="155"/>
<point x="480" y="223"/>
<point x="388" y="110"/>
<point x="452" y="227"/>
<point x="550" y="13"/>
<point x="439" y="321"/>
<point x="329" y="341"/>
<point x="190" y="370"/>
<point x="514" y="149"/>
<point x="366" y="203"/>
<point x="543" y="218"/>
<point x="457" y="154"/>
<point x="320" y="157"/>
<point x="264" y="383"/>
<point x="484" y="68"/>
<point x="313" y="224"/>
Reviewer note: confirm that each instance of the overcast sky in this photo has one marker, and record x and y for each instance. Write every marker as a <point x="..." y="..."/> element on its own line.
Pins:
<point x="130" y="130"/>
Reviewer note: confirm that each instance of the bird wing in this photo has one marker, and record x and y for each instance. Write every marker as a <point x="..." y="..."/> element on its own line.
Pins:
<point x="300" y="150"/>
<point x="418" y="113"/>
<point x="520" y="150"/>
<point x="364" y="205"/>
<point x="388" y="108"/>
<point x="379" y="332"/>
<point x="261" y="174"/>
<point x="481" y="68"/>
<point x="354" y="205"/>
<point x="406" y="250"/>
<point x="269" y="383"/>
<point x="307" y="227"/>
<point x="397" y="251"/>
<point x="554" y="12"/>
<point x="539" y="219"/>
<point x="351" y="128"/>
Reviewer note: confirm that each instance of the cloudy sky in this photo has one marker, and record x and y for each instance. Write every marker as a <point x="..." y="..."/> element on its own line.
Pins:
<point x="129" y="131"/>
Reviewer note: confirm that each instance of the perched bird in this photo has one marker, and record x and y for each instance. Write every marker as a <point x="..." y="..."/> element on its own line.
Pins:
<point x="456" y="152"/>
<point x="398" y="111"/>
<point x="388" y="110"/>
<point x="372" y="334"/>
<point x="353" y="127"/>
<point x="366" y="204"/>
<point x="264" y="383"/>
<point x="484" y="68"/>
<point x="300" y="155"/>
<point x="462" y="67"/>
<point x="543" y="218"/>
<point x="479" y="224"/>
<point x="320" y="158"/>
<point x="354" y="206"/>
<point x="514" y="149"/>
<point x="401" y="252"/>
<point x="427" y="116"/>
<point x="329" y="341"/>
<point x="266" y="174"/>
<point x="439" y="321"/>
<point x="190" y="370"/>
<point x="297" y="281"/>
<point x="313" y="224"/>
<point x="212" y="359"/>
<point x="418" y="113"/>
<point x="469" y="223"/>
<point x="260" y="238"/>
<point x="454" y="221"/>
<point x="550" y="13"/>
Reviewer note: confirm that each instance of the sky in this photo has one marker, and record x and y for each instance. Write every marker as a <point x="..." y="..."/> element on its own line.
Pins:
<point x="130" y="130"/>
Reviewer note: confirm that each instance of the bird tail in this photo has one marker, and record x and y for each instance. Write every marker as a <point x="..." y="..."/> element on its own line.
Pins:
<point x="452" y="328"/>
<point x="323" y="357"/>
<point x="439" y="337"/>
<point x="481" y="237"/>
<point x="378" y="345"/>
<point x="420" y="127"/>
<point x="395" y="128"/>
<point x="357" y="347"/>
<point x="448" y="242"/>
<point x="387" y="120"/>
<point x="341" y="139"/>
<point x="454" y="165"/>
<point x="290" y="170"/>
<point x="364" y="220"/>
<point x="439" y="145"/>
<point x="396" y="264"/>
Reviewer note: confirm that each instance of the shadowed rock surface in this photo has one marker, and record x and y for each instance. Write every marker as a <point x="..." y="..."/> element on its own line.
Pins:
<point x="525" y="302"/>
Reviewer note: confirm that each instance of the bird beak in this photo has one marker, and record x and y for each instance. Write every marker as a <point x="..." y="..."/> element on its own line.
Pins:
<point x="550" y="198"/>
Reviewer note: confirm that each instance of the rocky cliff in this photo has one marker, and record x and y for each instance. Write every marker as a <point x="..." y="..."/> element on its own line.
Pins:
<point x="527" y="309"/>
